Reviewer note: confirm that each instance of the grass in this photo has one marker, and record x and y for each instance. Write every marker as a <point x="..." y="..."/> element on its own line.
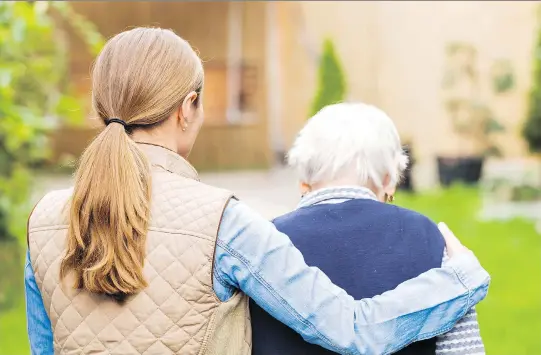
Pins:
<point x="510" y="317"/>
<point x="13" y="336"/>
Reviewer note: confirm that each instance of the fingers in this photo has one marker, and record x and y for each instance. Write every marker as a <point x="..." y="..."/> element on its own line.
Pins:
<point x="447" y="234"/>
<point x="454" y="246"/>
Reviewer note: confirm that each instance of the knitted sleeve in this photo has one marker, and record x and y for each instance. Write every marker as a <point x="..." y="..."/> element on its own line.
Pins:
<point x="464" y="338"/>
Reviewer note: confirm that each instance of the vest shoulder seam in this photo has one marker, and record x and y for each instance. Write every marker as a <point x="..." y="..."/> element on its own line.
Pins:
<point x="153" y="229"/>
<point x="46" y="228"/>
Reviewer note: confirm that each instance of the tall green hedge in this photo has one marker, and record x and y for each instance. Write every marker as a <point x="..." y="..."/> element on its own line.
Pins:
<point x="532" y="128"/>
<point x="331" y="86"/>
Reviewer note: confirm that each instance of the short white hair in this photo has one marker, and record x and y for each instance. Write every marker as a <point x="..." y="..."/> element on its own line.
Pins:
<point x="348" y="140"/>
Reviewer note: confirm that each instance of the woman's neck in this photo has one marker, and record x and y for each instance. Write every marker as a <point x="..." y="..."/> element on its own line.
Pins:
<point x="162" y="140"/>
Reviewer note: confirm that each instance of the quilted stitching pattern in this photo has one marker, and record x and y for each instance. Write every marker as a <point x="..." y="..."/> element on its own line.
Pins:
<point x="173" y="314"/>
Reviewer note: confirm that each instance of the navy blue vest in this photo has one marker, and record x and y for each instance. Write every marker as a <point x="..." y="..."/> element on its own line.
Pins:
<point x="365" y="247"/>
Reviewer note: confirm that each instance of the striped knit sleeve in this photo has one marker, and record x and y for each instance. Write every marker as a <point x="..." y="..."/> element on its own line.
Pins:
<point x="464" y="338"/>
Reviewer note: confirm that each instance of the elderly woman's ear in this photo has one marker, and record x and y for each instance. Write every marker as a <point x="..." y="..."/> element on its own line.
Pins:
<point x="389" y="190"/>
<point x="305" y="188"/>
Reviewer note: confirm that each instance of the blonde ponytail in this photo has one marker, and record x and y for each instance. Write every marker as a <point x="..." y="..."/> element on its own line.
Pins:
<point x="140" y="77"/>
<point x="109" y="216"/>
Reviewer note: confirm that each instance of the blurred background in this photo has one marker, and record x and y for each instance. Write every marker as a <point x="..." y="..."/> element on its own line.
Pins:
<point x="461" y="80"/>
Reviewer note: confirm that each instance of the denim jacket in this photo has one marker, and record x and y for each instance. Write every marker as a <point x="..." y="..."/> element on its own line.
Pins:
<point x="252" y="256"/>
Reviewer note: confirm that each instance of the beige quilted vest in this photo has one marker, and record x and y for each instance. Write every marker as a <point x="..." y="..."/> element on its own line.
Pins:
<point x="179" y="312"/>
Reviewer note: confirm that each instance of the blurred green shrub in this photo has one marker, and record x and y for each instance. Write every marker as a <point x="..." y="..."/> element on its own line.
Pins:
<point x="503" y="79"/>
<point x="34" y="98"/>
<point x="532" y="128"/>
<point x="34" y="94"/>
<point x="331" y="87"/>
<point x="11" y="280"/>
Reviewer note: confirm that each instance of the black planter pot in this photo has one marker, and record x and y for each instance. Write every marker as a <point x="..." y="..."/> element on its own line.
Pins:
<point x="466" y="170"/>
<point x="406" y="183"/>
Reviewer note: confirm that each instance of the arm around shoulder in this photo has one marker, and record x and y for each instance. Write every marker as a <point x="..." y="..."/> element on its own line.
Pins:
<point x="254" y="257"/>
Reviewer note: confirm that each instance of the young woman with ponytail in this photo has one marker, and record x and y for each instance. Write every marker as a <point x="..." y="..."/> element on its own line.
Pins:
<point x="140" y="257"/>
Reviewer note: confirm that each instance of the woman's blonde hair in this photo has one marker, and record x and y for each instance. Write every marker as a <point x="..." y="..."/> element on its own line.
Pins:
<point x="140" y="77"/>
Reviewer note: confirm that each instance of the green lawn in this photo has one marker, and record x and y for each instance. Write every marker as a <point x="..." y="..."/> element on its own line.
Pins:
<point x="13" y="338"/>
<point x="510" y="317"/>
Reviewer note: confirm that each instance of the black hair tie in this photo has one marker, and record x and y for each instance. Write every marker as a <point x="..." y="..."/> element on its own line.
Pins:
<point x="116" y="120"/>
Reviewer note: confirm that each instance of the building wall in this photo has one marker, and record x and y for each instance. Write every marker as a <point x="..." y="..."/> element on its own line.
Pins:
<point x="205" y="25"/>
<point x="412" y="71"/>
<point x="302" y="27"/>
<point x="394" y="57"/>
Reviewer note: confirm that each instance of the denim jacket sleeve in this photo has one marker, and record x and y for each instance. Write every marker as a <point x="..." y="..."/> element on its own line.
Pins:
<point x="251" y="255"/>
<point x="39" y="328"/>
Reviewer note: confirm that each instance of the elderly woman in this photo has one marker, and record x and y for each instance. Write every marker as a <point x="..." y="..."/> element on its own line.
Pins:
<point x="349" y="160"/>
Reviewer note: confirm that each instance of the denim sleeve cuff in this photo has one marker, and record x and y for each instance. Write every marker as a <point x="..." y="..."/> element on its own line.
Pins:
<point x="469" y="270"/>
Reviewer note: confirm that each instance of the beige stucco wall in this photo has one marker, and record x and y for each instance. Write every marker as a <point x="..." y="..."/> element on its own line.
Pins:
<point x="394" y="54"/>
<point x="302" y="26"/>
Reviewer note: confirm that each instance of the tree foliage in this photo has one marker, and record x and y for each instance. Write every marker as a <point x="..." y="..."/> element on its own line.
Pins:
<point x="331" y="87"/>
<point x="532" y="128"/>
<point x="34" y="95"/>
